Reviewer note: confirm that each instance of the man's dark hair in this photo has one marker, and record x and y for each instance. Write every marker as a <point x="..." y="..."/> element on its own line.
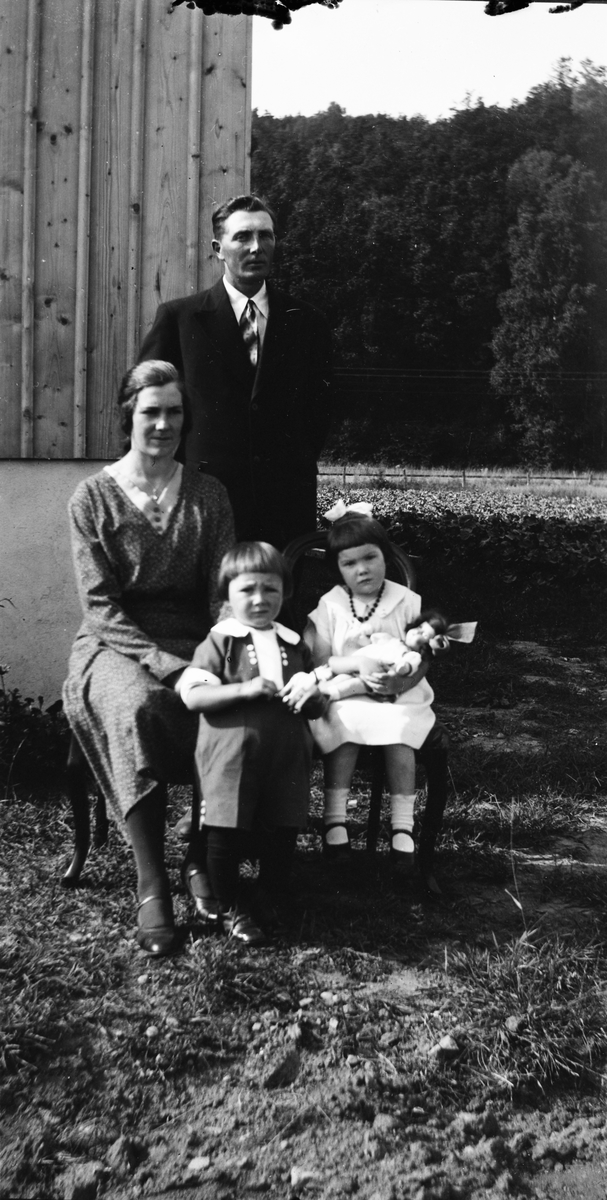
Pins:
<point x="239" y="204"/>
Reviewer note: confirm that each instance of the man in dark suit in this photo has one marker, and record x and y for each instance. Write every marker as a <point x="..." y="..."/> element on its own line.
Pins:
<point x="257" y="369"/>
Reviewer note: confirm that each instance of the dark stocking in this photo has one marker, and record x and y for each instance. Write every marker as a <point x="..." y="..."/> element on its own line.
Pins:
<point x="276" y="858"/>
<point x="197" y="847"/>
<point x="145" y="824"/>
<point x="194" y="871"/>
<point x="223" y="855"/>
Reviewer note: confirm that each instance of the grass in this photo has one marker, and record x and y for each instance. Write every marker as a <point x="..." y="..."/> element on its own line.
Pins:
<point x="97" y="1041"/>
<point x="533" y="1010"/>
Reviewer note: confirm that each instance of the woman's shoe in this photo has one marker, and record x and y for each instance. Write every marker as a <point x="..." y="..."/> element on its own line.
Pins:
<point x="402" y="851"/>
<point x="240" y="925"/>
<point x="158" y="939"/>
<point x="196" y="883"/>
<point x="336" y="850"/>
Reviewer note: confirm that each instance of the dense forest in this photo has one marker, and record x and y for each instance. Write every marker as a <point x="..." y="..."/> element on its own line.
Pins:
<point x="466" y="259"/>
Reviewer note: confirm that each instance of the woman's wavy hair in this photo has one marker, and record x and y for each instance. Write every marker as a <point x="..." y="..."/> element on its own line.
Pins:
<point x="152" y="373"/>
<point x="356" y="529"/>
<point x="253" y="556"/>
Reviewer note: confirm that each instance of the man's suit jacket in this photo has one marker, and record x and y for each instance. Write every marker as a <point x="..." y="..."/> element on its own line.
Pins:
<point x="259" y="431"/>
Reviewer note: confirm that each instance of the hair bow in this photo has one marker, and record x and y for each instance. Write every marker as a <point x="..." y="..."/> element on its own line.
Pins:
<point x="462" y="633"/>
<point x="455" y="633"/>
<point x="340" y="509"/>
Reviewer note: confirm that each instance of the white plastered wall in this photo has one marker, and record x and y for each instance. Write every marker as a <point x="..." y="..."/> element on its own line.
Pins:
<point x="40" y="612"/>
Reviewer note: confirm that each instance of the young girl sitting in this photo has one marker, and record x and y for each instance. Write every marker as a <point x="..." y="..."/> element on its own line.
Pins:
<point x="396" y="711"/>
<point x="254" y="750"/>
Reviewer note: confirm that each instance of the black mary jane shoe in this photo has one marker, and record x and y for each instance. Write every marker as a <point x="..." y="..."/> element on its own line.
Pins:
<point x="157" y="940"/>
<point x="403" y="861"/>
<point x="242" y="927"/>
<point x="196" y="883"/>
<point x="334" y="851"/>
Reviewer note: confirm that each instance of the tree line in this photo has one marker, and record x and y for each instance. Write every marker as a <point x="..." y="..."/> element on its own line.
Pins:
<point x="473" y="248"/>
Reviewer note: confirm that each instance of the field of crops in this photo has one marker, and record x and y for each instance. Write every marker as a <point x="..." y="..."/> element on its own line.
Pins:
<point x="525" y="536"/>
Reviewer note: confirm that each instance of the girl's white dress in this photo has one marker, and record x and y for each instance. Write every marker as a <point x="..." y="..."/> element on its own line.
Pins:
<point x="332" y="629"/>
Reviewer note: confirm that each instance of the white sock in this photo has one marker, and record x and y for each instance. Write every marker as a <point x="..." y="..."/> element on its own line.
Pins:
<point x="335" y="814"/>
<point x="401" y="817"/>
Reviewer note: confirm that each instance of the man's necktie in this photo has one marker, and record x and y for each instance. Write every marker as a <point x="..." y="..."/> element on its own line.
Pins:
<point x="250" y="334"/>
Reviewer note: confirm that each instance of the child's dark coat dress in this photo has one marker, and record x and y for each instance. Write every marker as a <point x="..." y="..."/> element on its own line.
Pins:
<point x="253" y="759"/>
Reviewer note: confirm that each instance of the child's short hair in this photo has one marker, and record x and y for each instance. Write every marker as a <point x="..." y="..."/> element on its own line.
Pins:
<point x="253" y="556"/>
<point x="356" y="529"/>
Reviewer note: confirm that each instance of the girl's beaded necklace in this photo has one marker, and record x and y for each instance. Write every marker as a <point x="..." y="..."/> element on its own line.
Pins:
<point x="373" y="608"/>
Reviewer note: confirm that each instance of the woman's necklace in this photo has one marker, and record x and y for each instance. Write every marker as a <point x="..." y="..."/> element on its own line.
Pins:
<point x="157" y="493"/>
<point x="373" y="608"/>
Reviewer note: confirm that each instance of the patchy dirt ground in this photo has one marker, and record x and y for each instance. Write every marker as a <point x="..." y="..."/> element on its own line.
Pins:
<point x="353" y="1056"/>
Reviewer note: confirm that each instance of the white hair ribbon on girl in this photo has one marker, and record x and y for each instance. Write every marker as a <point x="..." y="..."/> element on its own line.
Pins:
<point x="340" y="509"/>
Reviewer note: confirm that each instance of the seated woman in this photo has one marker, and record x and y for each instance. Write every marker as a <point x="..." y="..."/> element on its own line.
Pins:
<point x="148" y="536"/>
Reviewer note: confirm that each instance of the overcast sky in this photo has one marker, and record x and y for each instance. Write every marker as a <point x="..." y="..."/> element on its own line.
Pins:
<point x="415" y="56"/>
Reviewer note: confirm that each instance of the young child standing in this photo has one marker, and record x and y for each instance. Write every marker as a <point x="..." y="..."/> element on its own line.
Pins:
<point x="254" y="749"/>
<point x="396" y="711"/>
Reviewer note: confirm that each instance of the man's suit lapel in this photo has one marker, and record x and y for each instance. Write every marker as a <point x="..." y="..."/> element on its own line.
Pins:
<point x="220" y="327"/>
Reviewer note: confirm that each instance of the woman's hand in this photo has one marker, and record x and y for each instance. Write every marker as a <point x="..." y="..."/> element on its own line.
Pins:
<point x="259" y="688"/>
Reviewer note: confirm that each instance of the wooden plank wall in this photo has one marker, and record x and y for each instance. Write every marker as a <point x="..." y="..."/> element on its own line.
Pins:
<point x="121" y="124"/>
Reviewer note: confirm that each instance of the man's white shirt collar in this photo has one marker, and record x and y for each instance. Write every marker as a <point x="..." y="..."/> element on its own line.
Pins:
<point x="239" y="301"/>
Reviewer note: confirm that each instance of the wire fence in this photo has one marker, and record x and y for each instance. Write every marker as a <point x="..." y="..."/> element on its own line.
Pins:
<point x="353" y="473"/>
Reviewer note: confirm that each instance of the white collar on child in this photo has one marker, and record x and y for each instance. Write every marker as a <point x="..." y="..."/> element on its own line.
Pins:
<point x="392" y="595"/>
<point x="233" y="628"/>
